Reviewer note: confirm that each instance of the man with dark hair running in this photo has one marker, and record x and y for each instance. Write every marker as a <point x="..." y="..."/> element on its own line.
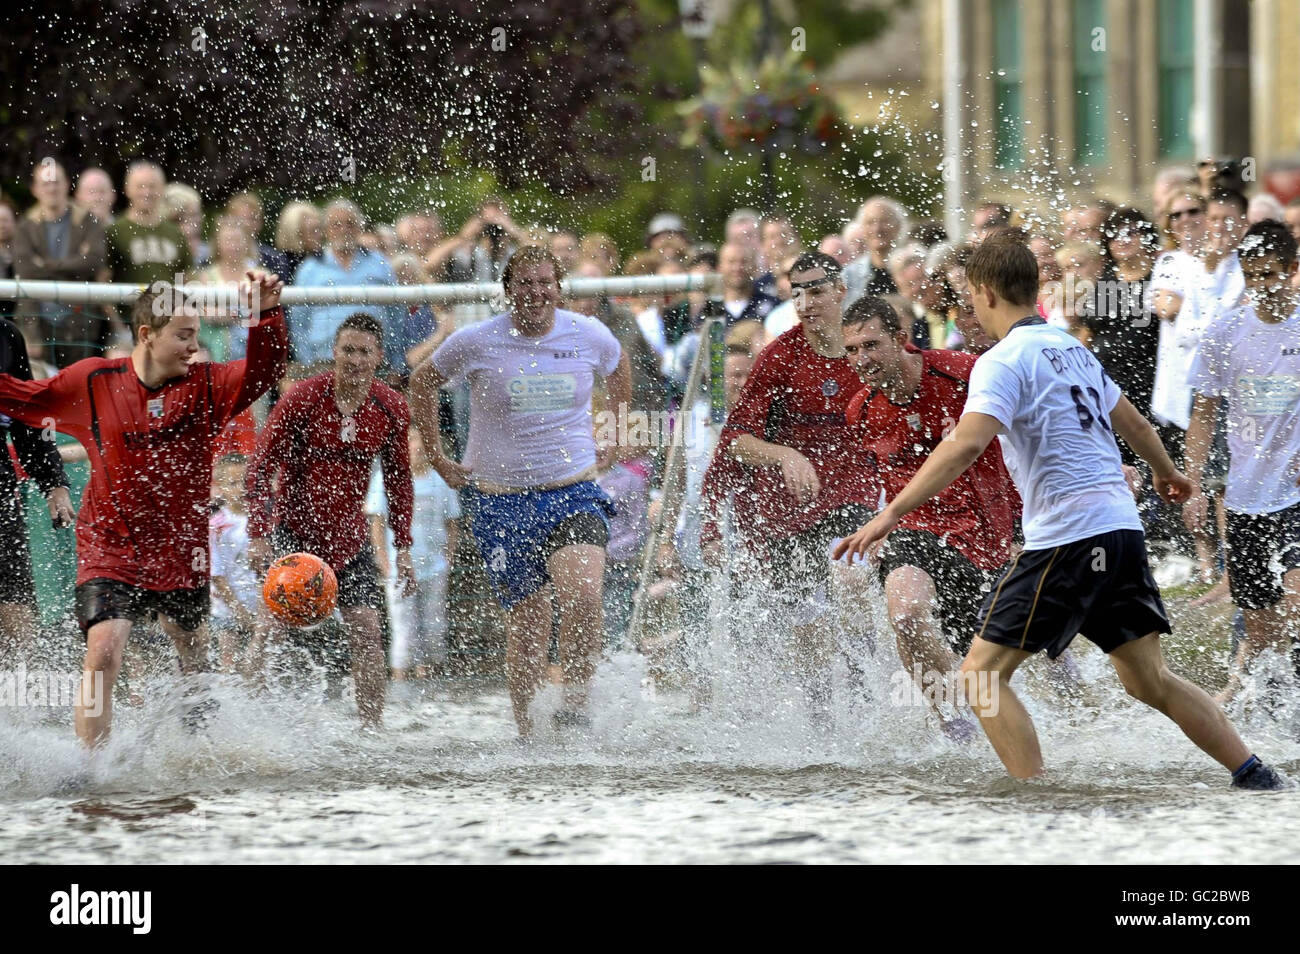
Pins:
<point x="944" y="553"/>
<point x="1084" y="566"/>
<point x="321" y="441"/>
<point x="788" y="461"/>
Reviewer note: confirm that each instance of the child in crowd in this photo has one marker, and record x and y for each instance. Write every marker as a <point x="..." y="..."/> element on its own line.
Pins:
<point x="235" y="587"/>
<point x="419" y="623"/>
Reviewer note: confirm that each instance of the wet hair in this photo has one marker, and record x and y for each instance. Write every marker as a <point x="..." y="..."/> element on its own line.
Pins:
<point x="363" y="322"/>
<point x="807" y="261"/>
<point x="155" y="307"/>
<point x="871" y="308"/>
<point x="1014" y="232"/>
<point x="1007" y="266"/>
<point x="1268" y="238"/>
<point x="1229" y="197"/>
<point x="530" y="255"/>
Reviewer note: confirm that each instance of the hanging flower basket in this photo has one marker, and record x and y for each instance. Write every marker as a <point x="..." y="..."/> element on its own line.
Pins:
<point x="776" y="106"/>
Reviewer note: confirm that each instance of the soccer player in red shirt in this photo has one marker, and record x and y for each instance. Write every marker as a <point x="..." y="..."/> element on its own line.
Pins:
<point x="321" y="441"/>
<point x="788" y="459"/>
<point x="943" y="554"/>
<point x="148" y="422"/>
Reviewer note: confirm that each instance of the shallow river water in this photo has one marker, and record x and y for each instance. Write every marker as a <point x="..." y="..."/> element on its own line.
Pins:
<point x="276" y="779"/>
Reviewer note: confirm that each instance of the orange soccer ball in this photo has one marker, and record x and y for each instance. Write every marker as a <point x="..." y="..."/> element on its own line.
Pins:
<point x="300" y="589"/>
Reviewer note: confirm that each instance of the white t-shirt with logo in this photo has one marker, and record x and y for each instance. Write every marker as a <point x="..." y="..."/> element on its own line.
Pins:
<point x="1053" y="401"/>
<point x="530" y="398"/>
<point x="1206" y="295"/>
<point x="1256" y="366"/>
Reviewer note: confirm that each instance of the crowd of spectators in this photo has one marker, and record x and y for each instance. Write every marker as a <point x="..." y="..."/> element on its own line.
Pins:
<point x="1134" y="285"/>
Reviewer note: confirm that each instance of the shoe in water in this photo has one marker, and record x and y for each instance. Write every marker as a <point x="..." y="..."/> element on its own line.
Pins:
<point x="569" y="719"/>
<point x="196" y="716"/>
<point x="73" y="784"/>
<point x="959" y="730"/>
<point x="1262" y="778"/>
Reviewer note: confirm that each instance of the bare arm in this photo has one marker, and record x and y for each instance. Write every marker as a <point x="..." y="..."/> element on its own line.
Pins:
<point x="379" y="540"/>
<point x="430" y="344"/>
<point x="453" y="541"/>
<point x="945" y="464"/>
<point x="423" y="398"/>
<point x="1168" y="481"/>
<point x="1200" y="435"/>
<point x="755" y="452"/>
<point x="1142" y="437"/>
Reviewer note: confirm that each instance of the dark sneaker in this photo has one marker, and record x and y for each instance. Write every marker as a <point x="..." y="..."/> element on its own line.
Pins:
<point x="74" y="784"/>
<point x="959" y="730"/>
<point x="1262" y="778"/>
<point x="196" y="716"/>
<point x="569" y="719"/>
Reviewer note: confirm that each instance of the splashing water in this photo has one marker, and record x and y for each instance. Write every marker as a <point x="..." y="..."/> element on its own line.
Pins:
<point x="288" y="776"/>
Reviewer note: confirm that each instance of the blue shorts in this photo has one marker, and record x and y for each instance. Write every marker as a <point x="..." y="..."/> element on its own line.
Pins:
<point x="516" y="534"/>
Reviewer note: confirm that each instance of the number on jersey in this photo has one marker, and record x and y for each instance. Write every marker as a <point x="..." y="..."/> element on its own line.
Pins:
<point x="1086" y="417"/>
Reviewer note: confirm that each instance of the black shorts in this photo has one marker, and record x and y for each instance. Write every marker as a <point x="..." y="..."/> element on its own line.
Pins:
<point x="103" y="599"/>
<point x="959" y="584"/>
<point x="580" y="529"/>
<point x="1100" y="586"/>
<point x="801" y="563"/>
<point x="1261" y="548"/>
<point x="15" y="562"/>
<point x="358" y="579"/>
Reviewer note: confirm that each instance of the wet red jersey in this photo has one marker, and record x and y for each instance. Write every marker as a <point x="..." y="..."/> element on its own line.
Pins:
<point x="323" y="460"/>
<point x="144" y="516"/>
<point x="796" y="398"/>
<point x="978" y="510"/>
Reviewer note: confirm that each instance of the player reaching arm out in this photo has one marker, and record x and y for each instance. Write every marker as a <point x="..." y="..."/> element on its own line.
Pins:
<point x="968" y="440"/>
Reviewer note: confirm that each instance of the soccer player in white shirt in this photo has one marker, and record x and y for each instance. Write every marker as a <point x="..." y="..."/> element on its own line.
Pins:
<point x="1084" y="566"/>
<point x="1251" y="357"/>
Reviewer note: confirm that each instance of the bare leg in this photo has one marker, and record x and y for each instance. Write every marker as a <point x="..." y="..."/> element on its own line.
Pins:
<point x="1265" y="628"/>
<point x="191" y="646"/>
<point x="265" y="632"/>
<point x="910" y="597"/>
<point x="812" y="664"/>
<point x="528" y="637"/>
<point x="1146" y="678"/>
<point x="105" y="644"/>
<point x="1004" y="718"/>
<point x="365" y="640"/>
<point x="17" y="626"/>
<point x="578" y="577"/>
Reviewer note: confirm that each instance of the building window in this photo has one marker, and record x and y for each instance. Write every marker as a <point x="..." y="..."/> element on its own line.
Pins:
<point x="1175" y="55"/>
<point x="1091" y="117"/>
<point x="1008" y="107"/>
